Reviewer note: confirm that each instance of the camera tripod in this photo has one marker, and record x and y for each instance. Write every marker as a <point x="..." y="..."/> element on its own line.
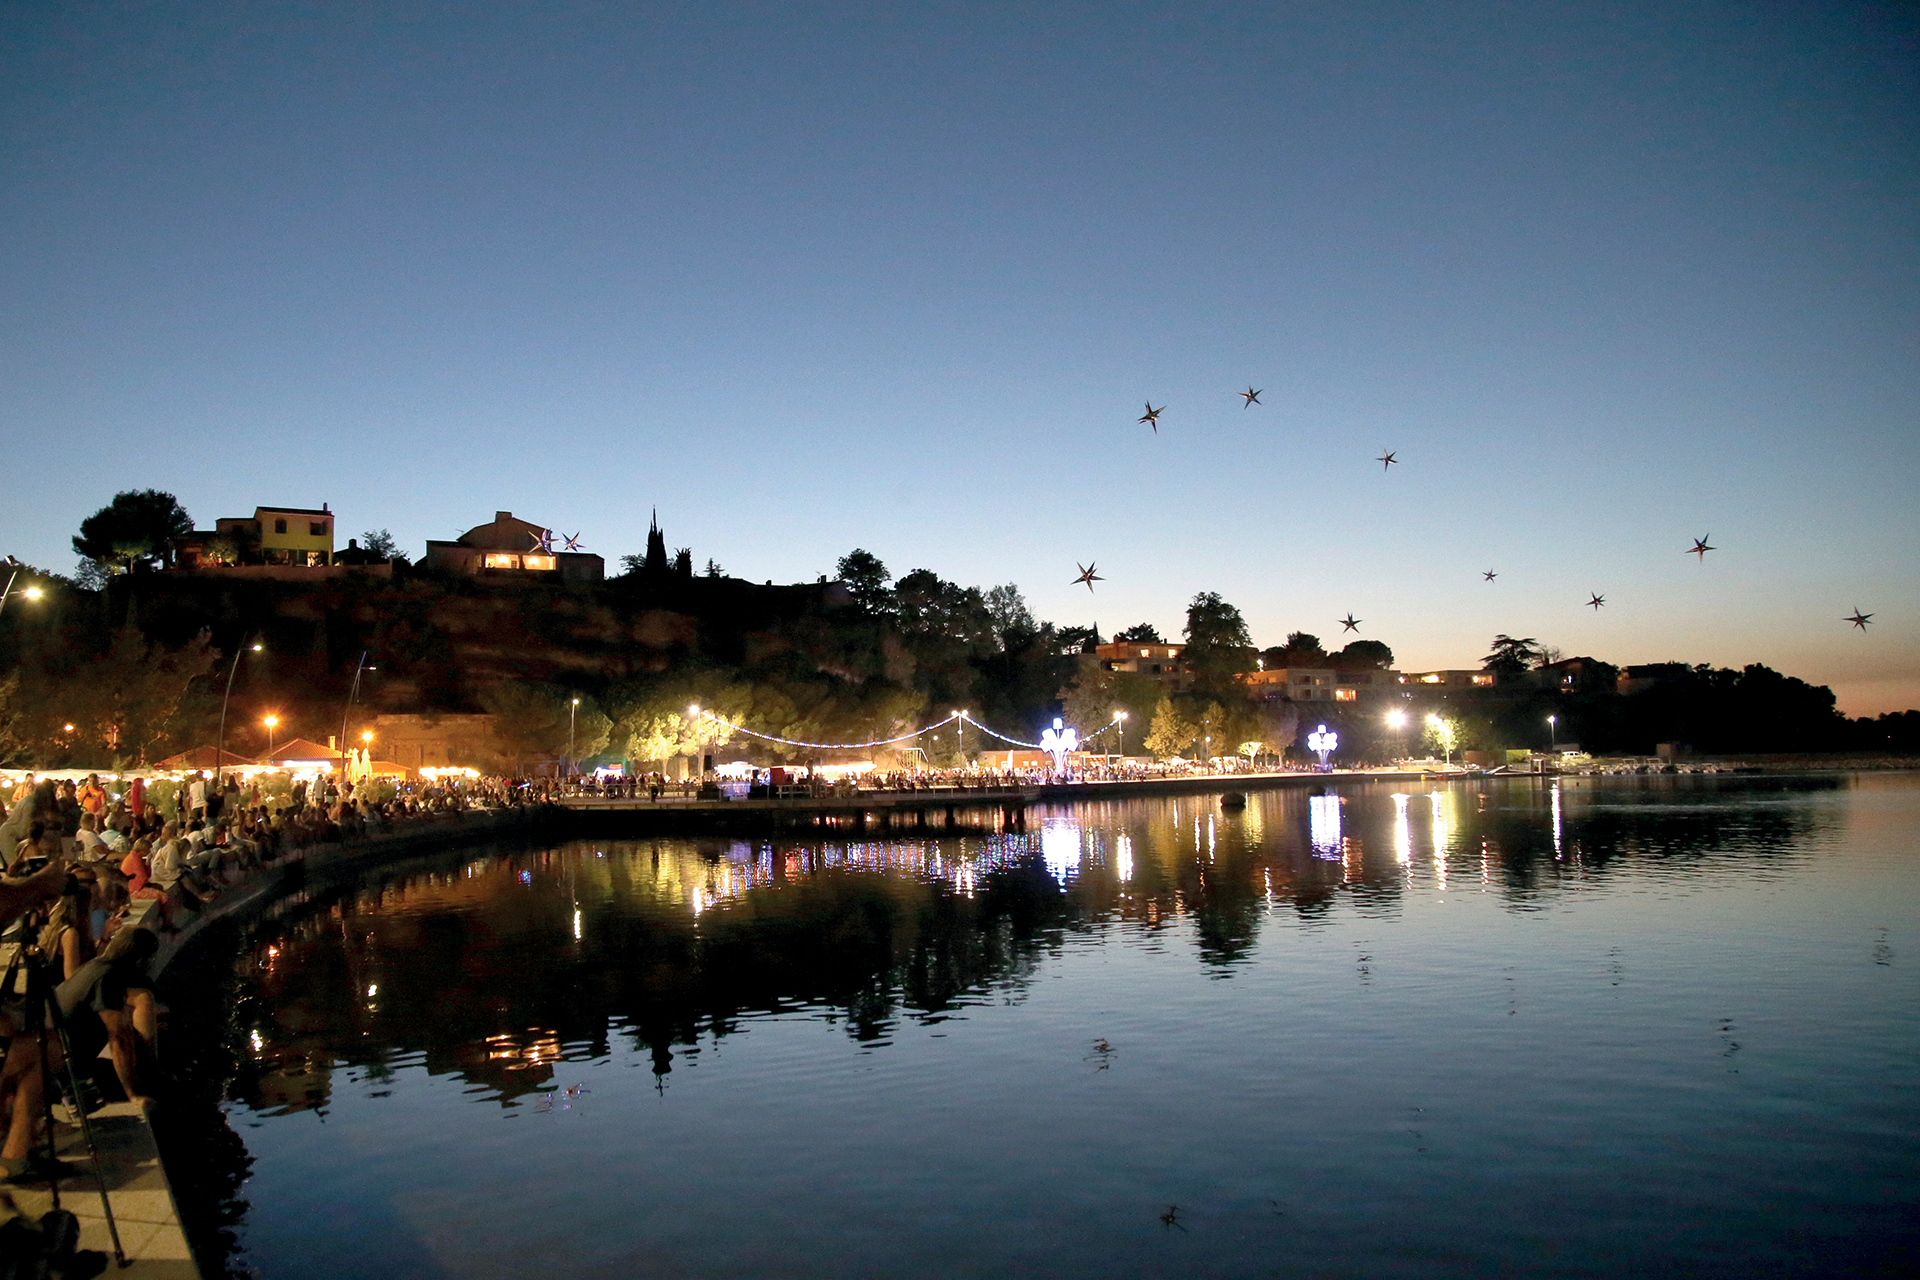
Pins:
<point x="42" y="1009"/>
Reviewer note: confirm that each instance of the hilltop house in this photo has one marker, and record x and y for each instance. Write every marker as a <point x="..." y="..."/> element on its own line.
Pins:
<point x="508" y="548"/>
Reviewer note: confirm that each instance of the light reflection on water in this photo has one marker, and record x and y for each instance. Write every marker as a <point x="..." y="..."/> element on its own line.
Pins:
<point x="1590" y="1028"/>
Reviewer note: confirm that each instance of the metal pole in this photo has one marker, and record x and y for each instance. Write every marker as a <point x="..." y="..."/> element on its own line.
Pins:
<point x="344" y="713"/>
<point x="220" y="750"/>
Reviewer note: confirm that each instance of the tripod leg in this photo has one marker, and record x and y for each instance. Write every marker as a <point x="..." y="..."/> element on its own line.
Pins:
<point x="86" y="1132"/>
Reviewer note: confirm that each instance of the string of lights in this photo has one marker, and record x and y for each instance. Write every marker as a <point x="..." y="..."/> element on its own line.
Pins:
<point x="701" y="713"/>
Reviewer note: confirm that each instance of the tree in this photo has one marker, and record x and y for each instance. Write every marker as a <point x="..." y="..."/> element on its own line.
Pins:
<point x="1008" y="609"/>
<point x="532" y="722"/>
<point x="866" y="579"/>
<point x="1172" y="732"/>
<point x="1139" y="633"/>
<point x="1510" y="657"/>
<point x="713" y="568"/>
<point x="136" y="530"/>
<point x="1218" y="644"/>
<point x="1441" y="731"/>
<point x="379" y="544"/>
<point x="1364" y="655"/>
<point x="131" y="697"/>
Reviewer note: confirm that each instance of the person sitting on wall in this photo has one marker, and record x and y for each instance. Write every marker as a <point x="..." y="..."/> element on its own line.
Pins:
<point x="115" y="988"/>
<point x="21" y="1070"/>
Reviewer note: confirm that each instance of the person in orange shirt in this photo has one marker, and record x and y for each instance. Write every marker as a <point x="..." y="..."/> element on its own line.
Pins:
<point x="93" y="796"/>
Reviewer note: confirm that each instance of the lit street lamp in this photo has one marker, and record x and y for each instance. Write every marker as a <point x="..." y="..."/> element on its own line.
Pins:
<point x="272" y="723"/>
<point x="1443" y="730"/>
<point x="572" y="708"/>
<point x="1553" y="732"/>
<point x="1120" y="719"/>
<point x="220" y="748"/>
<point x="30" y="592"/>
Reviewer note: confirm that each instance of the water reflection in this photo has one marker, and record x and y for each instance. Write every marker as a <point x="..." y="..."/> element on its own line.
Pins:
<point x="497" y="970"/>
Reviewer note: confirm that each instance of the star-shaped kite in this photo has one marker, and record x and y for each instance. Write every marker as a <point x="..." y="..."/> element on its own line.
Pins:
<point x="542" y="542"/>
<point x="1251" y="397"/>
<point x="1386" y="459"/>
<point x="1597" y="600"/>
<point x="572" y="541"/>
<point x="1489" y="575"/>
<point x="1152" y="416"/>
<point x="1087" y="575"/>
<point x="1700" y="548"/>
<point x="1859" y="619"/>
<point x="1350" y="622"/>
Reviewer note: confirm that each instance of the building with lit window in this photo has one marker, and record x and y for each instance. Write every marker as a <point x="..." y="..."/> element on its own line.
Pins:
<point x="282" y="537"/>
<point x="1447" y="679"/>
<point x="509" y="548"/>
<point x="1318" y="684"/>
<point x="1155" y="659"/>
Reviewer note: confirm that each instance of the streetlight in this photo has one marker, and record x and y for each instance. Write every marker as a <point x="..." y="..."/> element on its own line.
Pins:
<point x="572" y="708"/>
<point x="1443" y="730"/>
<point x="1120" y="719"/>
<point x="272" y="722"/>
<point x="353" y="691"/>
<point x="1553" y="732"/>
<point x="31" y="592"/>
<point x="220" y="749"/>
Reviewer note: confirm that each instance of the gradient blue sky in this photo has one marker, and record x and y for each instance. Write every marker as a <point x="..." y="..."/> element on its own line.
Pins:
<point x="810" y="277"/>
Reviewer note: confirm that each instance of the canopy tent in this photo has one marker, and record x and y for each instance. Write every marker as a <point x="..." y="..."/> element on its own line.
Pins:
<point x="304" y="753"/>
<point x="206" y="758"/>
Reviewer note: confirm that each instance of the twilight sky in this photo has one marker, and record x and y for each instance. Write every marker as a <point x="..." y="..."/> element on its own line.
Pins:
<point x="808" y="277"/>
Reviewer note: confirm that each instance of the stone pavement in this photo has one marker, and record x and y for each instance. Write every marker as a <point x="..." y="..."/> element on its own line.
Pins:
<point x="136" y="1186"/>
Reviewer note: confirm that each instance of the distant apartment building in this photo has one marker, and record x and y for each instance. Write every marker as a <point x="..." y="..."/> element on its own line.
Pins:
<point x="1446" y="679"/>
<point x="1318" y="684"/>
<point x="508" y="548"/>
<point x="1155" y="659"/>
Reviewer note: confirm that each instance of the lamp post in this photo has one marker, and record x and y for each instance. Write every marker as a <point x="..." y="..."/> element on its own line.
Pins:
<point x="272" y="722"/>
<point x="1553" y="733"/>
<point x="1120" y="719"/>
<point x="30" y="592"/>
<point x="353" y="691"/>
<point x="1397" y="720"/>
<point x="1443" y="730"/>
<point x="572" y="709"/>
<point x="220" y="748"/>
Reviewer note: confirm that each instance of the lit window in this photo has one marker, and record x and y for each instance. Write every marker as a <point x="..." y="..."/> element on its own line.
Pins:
<point x="1430" y="679"/>
<point x="1483" y="679"/>
<point x="501" y="560"/>
<point x="1345" y="695"/>
<point x="538" y="562"/>
<point x="1146" y="653"/>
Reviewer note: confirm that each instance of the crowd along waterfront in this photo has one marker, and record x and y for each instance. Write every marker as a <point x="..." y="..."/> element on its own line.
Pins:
<point x="1588" y="1027"/>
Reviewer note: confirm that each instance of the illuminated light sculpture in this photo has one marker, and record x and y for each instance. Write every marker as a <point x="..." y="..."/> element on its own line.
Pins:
<point x="1057" y="742"/>
<point x="1322" y="742"/>
<point x="1323" y="827"/>
<point x="542" y="542"/>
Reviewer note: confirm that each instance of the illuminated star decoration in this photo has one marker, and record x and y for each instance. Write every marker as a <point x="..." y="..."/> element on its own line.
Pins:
<point x="1597" y="600"/>
<point x="1700" y="548"/>
<point x="542" y="542"/>
<point x="1489" y="575"/>
<point x="1386" y="459"/>
<point x="1858" y="619"/>
<point x="572" y="541"/>
<point x="1152" y="416"/>
<point x="1251" y="397"/>
<point x="1350" y="622"/>
<point x="1087" y="575"/>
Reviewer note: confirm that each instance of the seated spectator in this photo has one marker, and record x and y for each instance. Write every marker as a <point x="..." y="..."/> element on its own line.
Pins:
<point x="115" y="987"/>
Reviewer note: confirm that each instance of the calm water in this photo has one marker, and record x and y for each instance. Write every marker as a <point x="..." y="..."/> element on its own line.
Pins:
<point x="1619" y="1027"/>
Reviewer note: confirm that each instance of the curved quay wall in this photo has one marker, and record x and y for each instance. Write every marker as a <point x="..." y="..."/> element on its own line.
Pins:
<point x="315" y="867"/>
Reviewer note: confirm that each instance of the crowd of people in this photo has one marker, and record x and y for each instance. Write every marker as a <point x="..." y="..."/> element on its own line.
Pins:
<point x="78" y="857"/>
